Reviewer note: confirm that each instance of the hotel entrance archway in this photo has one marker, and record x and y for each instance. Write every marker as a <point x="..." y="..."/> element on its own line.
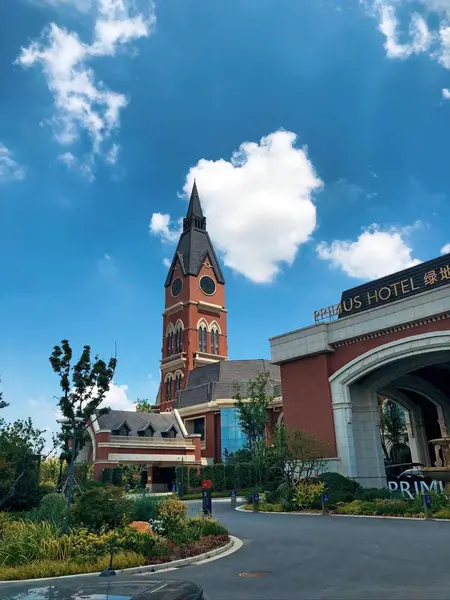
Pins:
<point x="414" y="372"/>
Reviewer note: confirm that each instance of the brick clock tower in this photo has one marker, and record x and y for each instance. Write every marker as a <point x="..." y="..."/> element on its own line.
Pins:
<point x="195" y="318"/>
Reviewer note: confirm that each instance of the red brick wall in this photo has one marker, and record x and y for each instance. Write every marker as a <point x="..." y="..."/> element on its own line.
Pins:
<point x="307" y="398"/>
<point x="209" y="435"/>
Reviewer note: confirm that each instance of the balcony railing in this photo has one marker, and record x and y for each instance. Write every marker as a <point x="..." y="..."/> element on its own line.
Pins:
<point x="149" y="442"/>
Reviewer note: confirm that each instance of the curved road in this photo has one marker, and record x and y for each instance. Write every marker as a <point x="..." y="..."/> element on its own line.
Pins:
<point x="315" y="557"/>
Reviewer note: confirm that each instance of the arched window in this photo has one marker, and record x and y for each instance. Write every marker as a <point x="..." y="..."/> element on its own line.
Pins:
<point x="169" y="389"/>
<point x="202" y="337"/>
<point x="214" y="341"/>
<point x="178" y="378"/>
<point x="169" y="343"/>
<point x="177" y="342"/>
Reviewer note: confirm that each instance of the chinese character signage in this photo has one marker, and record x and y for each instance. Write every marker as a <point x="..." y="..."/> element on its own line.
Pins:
<point x="420" y="278"/>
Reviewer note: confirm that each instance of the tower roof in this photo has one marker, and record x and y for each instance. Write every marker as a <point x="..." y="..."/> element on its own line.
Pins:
<point x="194" y="245"/>
<point x="194" y="208"/>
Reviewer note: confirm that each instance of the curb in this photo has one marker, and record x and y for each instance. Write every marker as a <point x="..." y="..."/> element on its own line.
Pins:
<point x="313" y="514"/>
<point x="217" y="500"/>
<point x="174" y="564"/>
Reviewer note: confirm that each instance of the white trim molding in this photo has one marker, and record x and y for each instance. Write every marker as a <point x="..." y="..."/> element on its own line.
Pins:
<point x="168" y="458"/>
<point x="374" y="322"/>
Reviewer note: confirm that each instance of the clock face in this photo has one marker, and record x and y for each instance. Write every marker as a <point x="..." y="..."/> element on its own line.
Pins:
<point x="207" y="285"/>
<point x="177" y="286"/>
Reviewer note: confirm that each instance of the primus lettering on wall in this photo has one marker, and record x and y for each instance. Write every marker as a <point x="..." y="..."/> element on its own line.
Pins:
<point x="418" y="487"/>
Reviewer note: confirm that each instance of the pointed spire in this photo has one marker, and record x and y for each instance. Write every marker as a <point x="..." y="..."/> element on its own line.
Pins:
<point x="194" y="216"/>
<point x="195" y="208"/>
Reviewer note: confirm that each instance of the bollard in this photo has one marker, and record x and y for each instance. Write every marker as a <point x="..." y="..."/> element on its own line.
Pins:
<point x="233" y="499"/>
<point x="426" y="499"/>
<point x="255" y="501"/>
<point x="324" y="498"/>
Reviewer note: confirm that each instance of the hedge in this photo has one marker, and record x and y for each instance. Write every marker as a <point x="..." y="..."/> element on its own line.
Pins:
<point x="224" y="477"/>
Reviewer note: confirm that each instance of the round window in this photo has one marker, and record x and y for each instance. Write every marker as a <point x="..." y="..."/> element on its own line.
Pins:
<point x="177" y="286"/>
<point x="207" y="285"/>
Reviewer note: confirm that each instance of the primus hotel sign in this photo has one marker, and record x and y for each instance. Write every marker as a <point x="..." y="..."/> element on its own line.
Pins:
<point x="428" y="275"/>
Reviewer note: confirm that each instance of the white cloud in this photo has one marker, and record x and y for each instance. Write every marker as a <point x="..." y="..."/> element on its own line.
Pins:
<point x="374" y="254"/>
<point x="167" y="262"/>
<point x="113" y="154"/>
<point x="116" y="398"/>
<point x="84" y="105"/>
<point x="81" y="5"/>
<point x="160" y="225"/>
<point x="10" y="170"/>
<point x="427" y="32"/>
<point x="445" y="249"/>
<point x="84" y="167"/>
<point x="258" y="205"/>
<point x="420" y="37"/>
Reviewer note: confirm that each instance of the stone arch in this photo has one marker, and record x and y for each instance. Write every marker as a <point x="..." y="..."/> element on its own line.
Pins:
<point x="168" y="376"/>
<point x="202" y="323"/>
<point x="361" y="365"/>
<point x="170" y="329"/>
<point x="356" y="415"/>
<point x="83" y="455"/>
<point x="179" y="325"/>
<point x="431" y="393"/>
<point x="414" y="424"/>
<point x="214" y="326"/>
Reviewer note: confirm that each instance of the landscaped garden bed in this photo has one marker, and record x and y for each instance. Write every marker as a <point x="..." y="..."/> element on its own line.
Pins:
<point x="347" y="497"/>
<point x="103" y="523"/>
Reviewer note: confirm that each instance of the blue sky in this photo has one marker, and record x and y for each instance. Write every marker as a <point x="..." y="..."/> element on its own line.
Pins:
<point x="317" y="131"/>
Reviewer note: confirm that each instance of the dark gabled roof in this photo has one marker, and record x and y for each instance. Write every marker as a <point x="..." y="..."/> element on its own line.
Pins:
<point x="118" y="426"/>
<point x="148" y="426"/>
<point x="218" y="380"/>
<point x="194" y="245"/>
<point x="139" y="421"/>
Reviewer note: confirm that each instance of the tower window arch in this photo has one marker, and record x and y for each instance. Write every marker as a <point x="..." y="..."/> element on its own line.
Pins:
<point x="170" y="339"/>
<point x="178" y="381"/>
<point x="202" y="337"/>
<point x="169" y="386"/>
<point x="178" y="337"/>
<point x="214" y="338"/>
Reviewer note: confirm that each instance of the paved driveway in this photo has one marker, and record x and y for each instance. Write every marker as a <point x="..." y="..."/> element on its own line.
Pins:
<point x="328" y="558"/>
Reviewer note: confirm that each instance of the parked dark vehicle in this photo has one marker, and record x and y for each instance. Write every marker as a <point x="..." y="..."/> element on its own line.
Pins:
<point x="406" y="472"/>
<point x="152" y="589"/>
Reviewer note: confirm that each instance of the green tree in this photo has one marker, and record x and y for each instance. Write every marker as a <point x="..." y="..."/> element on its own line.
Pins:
<point x="3" y="404"/>
<point x="21" y="445"/>
<point x="297" y="454"/>
<point x="49" y="470"/>
<point x="143" y="405"/>
<point x="252" y="408"/>
<point x="84" y="386"/>
<point x="392" y="424"/>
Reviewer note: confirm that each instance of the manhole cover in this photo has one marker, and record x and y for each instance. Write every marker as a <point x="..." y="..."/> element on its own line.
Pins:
<point x="254" y="574"/>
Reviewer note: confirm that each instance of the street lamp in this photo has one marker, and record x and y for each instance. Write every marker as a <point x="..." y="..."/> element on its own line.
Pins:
<point x="74" y="425"/>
